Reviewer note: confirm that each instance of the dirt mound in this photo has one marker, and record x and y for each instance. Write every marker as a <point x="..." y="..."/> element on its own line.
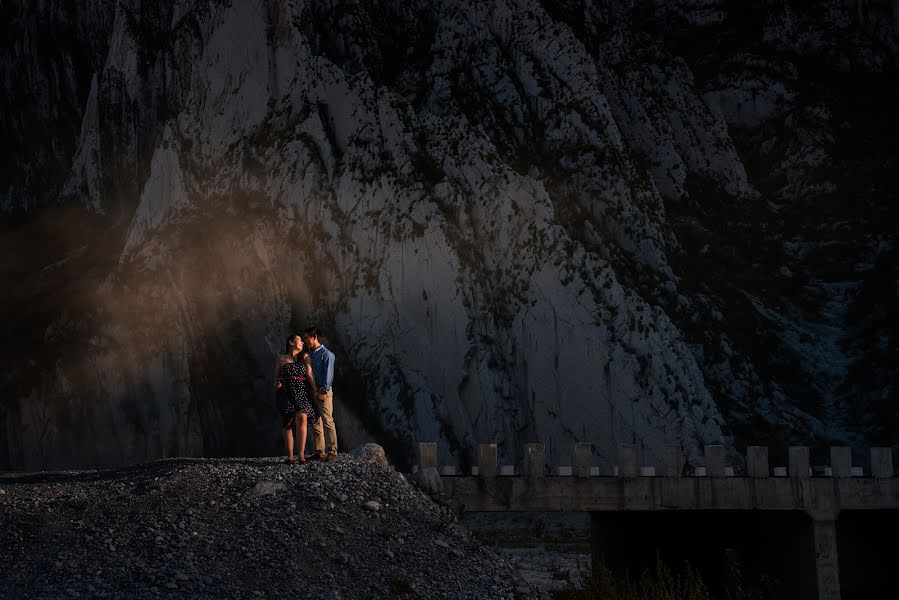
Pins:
<point x="238" y="528"/>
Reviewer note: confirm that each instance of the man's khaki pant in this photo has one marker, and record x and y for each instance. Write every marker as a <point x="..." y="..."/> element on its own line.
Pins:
<point x="323" y="429"/>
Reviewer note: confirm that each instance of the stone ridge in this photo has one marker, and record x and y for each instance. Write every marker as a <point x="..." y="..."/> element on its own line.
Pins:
<point x="291" y="180"/>
<point x="238" y="528"/>
<point x="656" y="223"/>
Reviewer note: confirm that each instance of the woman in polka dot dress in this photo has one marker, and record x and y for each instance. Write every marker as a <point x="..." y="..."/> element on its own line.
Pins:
<point x="294" y="386"/>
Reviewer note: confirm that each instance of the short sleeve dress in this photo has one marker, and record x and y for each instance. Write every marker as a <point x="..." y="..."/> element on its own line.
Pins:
<point x="293" y="396"/>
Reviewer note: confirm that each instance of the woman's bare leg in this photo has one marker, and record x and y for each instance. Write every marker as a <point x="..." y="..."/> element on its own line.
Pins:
<point x="301" y="436"/>
<point x="288" y="441"/>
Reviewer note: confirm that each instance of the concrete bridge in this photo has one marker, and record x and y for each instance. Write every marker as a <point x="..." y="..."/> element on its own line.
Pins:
<point x="818" y="496"/>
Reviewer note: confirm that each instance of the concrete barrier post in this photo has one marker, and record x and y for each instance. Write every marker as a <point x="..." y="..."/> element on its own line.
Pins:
<point x="583" y="455"/>
<point x="841" y="461"/>
<point x="672" y="461"/>
<point x="534" y="465"/>
<point x="757" y="462"/>
<point x="714" y="460"/>
<point x="799" y="462"/>
<point x="627" y="460"/>
<point x="487" y="461"/>
<point x="882" y="463"/>
<point x="826" y="564"/>
<point x="427" y="455"/>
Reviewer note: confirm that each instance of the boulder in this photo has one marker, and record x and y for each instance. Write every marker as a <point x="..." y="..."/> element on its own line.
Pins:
<point x="427" y="480"/>
<point x="370" y="453"/>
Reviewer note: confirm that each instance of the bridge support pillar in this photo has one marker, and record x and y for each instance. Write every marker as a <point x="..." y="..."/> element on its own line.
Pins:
<point x="627" y="460"/>
<point x="826" y="564"/>
<point x="427" y="455"/>
<point x="534" y="462"/>
<point x="598" y="543"/>
<point x="487" y="461"/>
<point x="583" y="454"/>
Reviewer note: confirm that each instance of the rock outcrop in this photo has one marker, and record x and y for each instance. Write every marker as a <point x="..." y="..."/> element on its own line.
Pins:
<point x="516" y="221"/>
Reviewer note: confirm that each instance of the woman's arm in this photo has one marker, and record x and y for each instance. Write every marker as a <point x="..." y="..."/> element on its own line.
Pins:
<point x="310" y="376"/>
<point x="278" y="362"/>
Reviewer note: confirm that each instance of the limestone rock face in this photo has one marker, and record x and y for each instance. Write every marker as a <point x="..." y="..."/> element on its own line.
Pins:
<point x="515" y="221"/>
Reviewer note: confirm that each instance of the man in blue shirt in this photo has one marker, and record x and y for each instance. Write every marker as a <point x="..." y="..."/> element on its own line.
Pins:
<point x="323" y="369"/>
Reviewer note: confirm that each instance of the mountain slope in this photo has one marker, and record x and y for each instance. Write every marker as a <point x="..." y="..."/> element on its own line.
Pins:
<point x="516" y="221"/>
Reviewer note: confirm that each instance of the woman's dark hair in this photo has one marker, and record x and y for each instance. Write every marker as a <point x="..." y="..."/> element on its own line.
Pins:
<point x="290" y="338"/>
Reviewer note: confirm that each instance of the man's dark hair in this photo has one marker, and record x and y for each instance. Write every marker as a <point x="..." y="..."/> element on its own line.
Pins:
<point x="312" y="332"/>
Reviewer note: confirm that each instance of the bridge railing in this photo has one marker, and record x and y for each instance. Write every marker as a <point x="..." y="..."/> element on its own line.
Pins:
<point x="757" y="463"/>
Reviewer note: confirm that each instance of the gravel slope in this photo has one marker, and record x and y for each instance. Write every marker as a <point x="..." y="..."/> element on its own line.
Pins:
<point x="238" y="528"/>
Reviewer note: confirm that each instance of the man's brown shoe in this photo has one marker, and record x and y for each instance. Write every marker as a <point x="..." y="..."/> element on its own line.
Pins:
<point x="318" y="456"/>
<point x="330" y="456"/>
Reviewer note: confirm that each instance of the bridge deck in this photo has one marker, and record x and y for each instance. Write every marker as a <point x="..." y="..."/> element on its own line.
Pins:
<point x="821" y="497"/>
<point x="711" y="486"/>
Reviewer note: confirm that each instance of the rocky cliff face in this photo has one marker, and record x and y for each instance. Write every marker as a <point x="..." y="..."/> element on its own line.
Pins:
<point x="517" y="221"/>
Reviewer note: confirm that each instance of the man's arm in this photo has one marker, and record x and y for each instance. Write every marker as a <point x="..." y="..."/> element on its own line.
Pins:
<point x="328" y="368"/>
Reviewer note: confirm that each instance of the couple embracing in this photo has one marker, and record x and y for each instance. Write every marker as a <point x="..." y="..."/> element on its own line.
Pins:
<point x="303" y="394"/>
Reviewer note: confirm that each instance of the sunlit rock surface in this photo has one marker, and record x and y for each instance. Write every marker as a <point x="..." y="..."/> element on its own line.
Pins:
<point x="666" y="222"/>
